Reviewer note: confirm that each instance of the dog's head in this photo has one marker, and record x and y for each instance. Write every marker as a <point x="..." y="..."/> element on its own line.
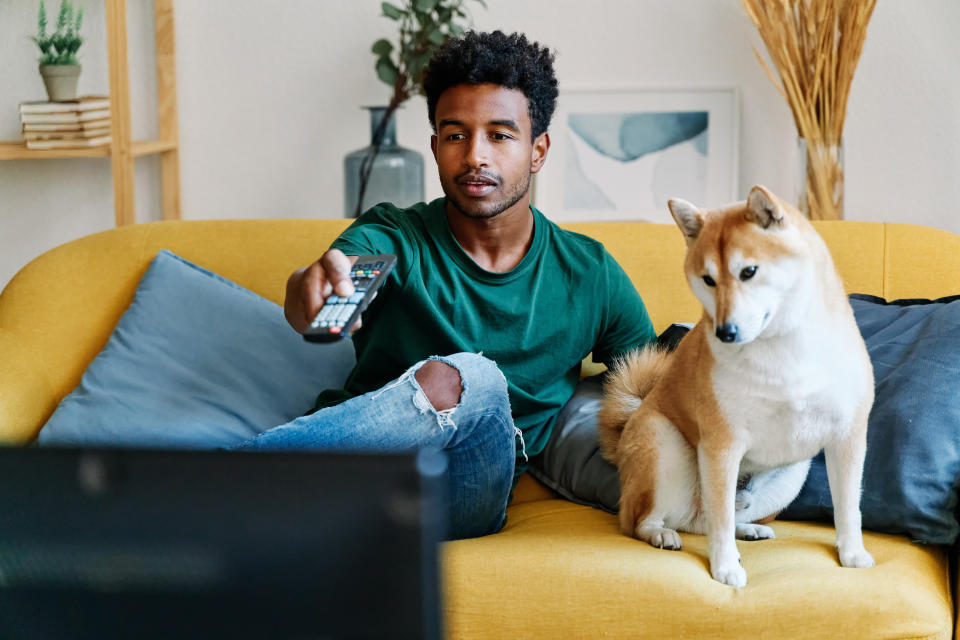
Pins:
<point x="742" y="261"/>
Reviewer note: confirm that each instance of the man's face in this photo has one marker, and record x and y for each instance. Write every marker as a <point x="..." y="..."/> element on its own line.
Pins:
<point x="483" y="149"/>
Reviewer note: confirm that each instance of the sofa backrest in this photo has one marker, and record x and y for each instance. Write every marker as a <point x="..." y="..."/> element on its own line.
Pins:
<point x="57" y="313"/>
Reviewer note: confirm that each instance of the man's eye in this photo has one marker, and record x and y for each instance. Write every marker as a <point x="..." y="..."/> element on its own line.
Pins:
<point x="501" y="136"/>
<point x="748" y="273"/>
<point x="710" y="282"/>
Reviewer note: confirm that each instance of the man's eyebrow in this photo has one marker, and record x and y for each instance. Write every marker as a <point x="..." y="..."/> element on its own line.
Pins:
<point x="510" y="124"/>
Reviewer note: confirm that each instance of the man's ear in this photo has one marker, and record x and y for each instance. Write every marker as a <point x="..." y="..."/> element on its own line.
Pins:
<point x="433" y="145"/>
<point x="688" y="218"/>
<point x="764" y="207"/>
<point x="538" y="155"/>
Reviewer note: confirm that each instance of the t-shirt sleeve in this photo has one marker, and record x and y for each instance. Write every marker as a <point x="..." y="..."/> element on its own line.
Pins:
<point x="379" y="229"/>
<point x="626" y="324"/>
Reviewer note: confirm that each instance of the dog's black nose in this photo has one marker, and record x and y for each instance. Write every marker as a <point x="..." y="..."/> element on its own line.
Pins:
<point x="727" y="332"/>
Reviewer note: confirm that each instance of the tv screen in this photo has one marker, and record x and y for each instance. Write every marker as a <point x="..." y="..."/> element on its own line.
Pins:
<point x="145" y="543"/>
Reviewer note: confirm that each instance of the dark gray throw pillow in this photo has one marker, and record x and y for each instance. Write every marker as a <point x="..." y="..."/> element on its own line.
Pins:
<point x="571" y="464"/>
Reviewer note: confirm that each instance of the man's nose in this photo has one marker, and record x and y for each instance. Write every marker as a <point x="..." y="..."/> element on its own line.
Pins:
<point x="477" y="153"/>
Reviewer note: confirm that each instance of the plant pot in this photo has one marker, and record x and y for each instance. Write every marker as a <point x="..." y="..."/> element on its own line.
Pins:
<point x="61" y="81"/>
<point x="396" y="173"/>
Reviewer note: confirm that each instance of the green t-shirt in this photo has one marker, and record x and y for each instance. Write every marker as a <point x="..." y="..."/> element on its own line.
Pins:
<point x="566" y="298"/>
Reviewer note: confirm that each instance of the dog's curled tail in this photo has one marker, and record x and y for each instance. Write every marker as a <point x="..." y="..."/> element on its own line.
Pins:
<point x="628" y="382"/>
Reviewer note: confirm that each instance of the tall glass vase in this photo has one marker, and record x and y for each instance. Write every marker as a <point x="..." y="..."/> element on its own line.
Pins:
<point x="396" y="174"/>
<point x="819" y="187"/>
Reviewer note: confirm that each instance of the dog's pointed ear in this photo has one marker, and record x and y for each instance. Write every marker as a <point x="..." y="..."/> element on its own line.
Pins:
<point x="764" y="208"/>
<point x="688" y="218"/>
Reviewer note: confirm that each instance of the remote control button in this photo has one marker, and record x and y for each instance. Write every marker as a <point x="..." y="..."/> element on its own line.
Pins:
<point x="334" y="329"/>
<point x="345" y="312"/>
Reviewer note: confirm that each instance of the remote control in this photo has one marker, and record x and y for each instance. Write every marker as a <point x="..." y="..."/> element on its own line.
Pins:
<point x="338" y="314"/>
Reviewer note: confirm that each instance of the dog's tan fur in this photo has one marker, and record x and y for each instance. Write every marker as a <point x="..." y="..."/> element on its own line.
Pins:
<point x="713" y="412"/>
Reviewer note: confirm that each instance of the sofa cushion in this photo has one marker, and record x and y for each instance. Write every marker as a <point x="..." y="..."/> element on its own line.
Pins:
<point x="563" y="568"/>
<point x="196" y="361"/>
<point x="913" y="439"/>
<point x="913" y="451"/>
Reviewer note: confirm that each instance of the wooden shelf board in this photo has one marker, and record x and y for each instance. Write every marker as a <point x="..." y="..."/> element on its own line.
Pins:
<point x="148" y="147"/>
<point x="17" y="150"/>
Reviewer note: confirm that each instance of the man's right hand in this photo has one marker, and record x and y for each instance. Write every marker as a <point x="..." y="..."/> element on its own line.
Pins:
<point x="308" y="288"/>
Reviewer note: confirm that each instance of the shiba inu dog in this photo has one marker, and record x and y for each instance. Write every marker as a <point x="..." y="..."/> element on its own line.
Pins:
<point x="774" y="371"/>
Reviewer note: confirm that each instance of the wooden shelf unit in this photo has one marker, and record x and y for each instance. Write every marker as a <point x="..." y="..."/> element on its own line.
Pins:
<point x="123" y="150"/>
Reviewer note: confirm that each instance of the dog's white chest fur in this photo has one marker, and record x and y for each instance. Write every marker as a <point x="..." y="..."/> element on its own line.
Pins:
<point x="784" y="403"/>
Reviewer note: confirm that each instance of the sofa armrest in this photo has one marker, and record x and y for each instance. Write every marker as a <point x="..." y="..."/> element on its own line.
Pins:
<point x="27" y="396"/>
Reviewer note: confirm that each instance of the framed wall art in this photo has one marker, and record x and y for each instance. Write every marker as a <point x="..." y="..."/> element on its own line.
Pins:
<point x="621" y="154"/>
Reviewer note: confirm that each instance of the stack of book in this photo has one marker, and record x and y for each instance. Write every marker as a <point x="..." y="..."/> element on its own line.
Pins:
<point x="77" y="124"/>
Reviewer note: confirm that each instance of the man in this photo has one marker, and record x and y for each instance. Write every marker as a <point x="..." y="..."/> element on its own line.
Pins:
<point x="474" y="343"/>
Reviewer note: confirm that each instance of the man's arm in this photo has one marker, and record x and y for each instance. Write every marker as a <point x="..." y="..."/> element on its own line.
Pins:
<point x="309" y="287"/>
<point x="627" y="326"/>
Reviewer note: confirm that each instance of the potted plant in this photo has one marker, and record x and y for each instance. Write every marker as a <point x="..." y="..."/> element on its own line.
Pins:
<point x="424" y="26"/>
<point x="58" y="60"/>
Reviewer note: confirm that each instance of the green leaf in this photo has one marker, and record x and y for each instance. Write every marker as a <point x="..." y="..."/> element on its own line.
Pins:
<point x="391" y="11"/>
<point x="387" y="71"/>
<point x="437" y="37"/>
<point x="424" y="5"/>
<point x="382" y="47"/>
<point x="418" y="65"/>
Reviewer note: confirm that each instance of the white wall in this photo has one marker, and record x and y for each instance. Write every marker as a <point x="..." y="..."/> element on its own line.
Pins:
<point x="270" y="97"/>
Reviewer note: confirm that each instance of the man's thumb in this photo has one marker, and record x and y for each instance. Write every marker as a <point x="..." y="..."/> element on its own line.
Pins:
<point x="337" y="267"/>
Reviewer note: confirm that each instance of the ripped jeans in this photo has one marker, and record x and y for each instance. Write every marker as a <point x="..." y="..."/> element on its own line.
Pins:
<point x="477" y="435"/>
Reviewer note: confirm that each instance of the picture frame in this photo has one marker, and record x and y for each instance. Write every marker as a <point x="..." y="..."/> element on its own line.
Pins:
<point x="620" y="154"/>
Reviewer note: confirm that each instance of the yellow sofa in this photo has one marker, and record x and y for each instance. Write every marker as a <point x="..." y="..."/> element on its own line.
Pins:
<point x="557" y="570"/>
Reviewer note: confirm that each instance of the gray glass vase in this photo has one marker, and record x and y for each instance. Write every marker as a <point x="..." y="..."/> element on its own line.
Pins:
<point x="396" y="175"/>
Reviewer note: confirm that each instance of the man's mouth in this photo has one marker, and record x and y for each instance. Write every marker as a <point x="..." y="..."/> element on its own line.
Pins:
<point x="477" y="185"/>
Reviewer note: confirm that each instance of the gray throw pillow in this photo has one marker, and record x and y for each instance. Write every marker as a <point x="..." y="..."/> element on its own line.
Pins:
<point x="197" y="362"/>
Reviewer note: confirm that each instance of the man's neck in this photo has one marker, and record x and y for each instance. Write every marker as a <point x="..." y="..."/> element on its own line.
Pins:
<point x="496" y="244"/>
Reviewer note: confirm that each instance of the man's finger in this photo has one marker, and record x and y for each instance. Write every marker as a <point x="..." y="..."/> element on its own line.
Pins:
<point x="337" y="267"/>
<point x="314" y="290"/>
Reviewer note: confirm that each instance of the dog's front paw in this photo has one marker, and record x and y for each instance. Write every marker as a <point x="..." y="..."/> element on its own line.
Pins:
<point x="659" y="537"/>
<point x="754" y="532"/>
<point x="857" y="558"/>
<point x="725" y="566"/>
<point x="730" y="574"/>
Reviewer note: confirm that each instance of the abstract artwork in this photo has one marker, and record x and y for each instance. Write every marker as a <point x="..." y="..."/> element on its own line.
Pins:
<point x="622" y="155"/>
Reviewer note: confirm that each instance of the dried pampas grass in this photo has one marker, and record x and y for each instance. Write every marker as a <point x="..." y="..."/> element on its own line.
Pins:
<point x="815" y="46"/>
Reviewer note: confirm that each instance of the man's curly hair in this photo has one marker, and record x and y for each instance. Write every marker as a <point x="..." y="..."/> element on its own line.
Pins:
<point x="510" y="61"/>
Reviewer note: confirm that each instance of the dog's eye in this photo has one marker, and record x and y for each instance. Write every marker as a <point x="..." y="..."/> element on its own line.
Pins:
<point x="710" y="282"/>
<point x="748" y="273"/>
